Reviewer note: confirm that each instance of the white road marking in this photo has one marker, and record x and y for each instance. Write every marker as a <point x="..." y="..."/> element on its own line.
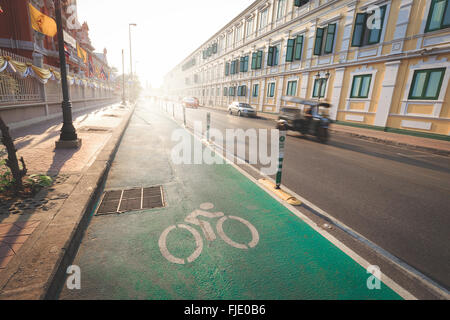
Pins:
<point x="165" y="252"/>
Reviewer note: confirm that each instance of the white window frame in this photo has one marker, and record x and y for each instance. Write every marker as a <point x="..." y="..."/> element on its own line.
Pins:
<point x="432" y="63"/>
<point x="359" y="72"/>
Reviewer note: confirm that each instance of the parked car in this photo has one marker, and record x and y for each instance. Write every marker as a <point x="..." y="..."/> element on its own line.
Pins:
<point x="242" y="109"/>
<point x="191" y="102"/>
<point x="311" y="119"/>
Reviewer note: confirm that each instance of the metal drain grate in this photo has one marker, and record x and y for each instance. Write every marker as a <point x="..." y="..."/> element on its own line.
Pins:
<point x="121" y="201"/>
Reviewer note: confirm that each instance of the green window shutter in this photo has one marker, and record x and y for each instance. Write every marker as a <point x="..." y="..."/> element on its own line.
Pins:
<point x="255" y="90"/>
<point x="361" y="86"/>
<point x="438" y="16"/>
<point x="275" y="56"/>
<point x="246" y="59"/>
<point x="365" y="86"/>
<point x="299" y="3"/>
<point x="227" y="69"/>
<point x="254" y="60"/>
<point x="359" y="29"/>
<point x="290" y="50"/>
<point x="375" y="34"/>
<point x="319" y="88"/>
<point x="225" y="91"/>
<point x="270" y="56"/>
<point x="242" y="64"/>
<point x="259" y="60"/>
<point x="426" y="84"/>
<point x="329" y="42"/>
<point x="318" y="42"/>
<point x="298" y="48"/>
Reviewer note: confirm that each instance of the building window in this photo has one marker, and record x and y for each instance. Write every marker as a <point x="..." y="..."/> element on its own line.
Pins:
<point x="280" y="9"/>
<point x="249" y="27"/>
<point x="325" y="40"/>
<point x="242" y="91"/>
<point x="234" y="67"/>
<point x="320" y="86"/>
<point x="272" y="56"/>
<point x="232" y="91"/>
<point x="257" y="60"/>
<point x="225" y="91"/>
<point x="238" y="34"/>
<point x="291" y="88"/>
<point x="294" y="49"/>
<point x="299" y="3"/>
<point x="244" y="64"/>
<point x="426" y="84"/>
<point x="271" y="90"/>
<point x="263" y="22"/>
<point x="255" y="90"/>
<point x="227" y="69"/>
<point x="439" y="15"/>
<point x="361" y="86"/>
<point x="362" y="33"/>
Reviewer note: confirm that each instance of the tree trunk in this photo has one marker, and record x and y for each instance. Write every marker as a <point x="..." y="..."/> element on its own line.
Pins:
<point x="12" y="161"/>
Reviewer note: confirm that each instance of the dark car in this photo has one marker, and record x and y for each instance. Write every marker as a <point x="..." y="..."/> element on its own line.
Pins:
<point x="311" y="119"/>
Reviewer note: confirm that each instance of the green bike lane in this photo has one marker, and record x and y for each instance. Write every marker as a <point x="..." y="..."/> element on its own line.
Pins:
<point x="255" y="248"/>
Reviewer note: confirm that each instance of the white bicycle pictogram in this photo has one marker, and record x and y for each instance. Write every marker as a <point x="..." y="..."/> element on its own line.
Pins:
<point x="207" y="231"/>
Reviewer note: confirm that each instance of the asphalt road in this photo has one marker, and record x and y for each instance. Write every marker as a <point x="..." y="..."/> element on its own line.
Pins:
<point x="396" y="197"/>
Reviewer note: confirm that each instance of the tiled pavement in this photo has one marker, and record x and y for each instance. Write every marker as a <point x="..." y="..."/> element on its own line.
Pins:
<point x="12" y="237"/>
<point x="36" y="145"/>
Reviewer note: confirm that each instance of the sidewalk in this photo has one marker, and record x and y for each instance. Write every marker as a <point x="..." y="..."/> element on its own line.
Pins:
<point x="219" y="235"/>
<point x="37" y="235"/>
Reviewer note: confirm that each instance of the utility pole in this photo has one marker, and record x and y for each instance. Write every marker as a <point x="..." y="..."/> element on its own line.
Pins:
<point x="131" y="59"/>
<point x="123" y="78"/>
<point x="68" y="137"/>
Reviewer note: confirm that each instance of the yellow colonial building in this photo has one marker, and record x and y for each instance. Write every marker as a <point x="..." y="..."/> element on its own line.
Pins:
<point x="382" y="64"/>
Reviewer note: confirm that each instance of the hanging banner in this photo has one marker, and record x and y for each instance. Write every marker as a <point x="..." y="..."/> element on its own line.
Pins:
<point x="42" y="23"/>
<point x="69" y="39"/>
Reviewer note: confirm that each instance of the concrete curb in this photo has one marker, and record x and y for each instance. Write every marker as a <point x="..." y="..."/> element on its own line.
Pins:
<point x="65" y="232"/>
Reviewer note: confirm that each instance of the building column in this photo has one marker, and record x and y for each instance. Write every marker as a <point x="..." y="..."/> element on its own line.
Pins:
<point x="262" y="94"/>
<point x="337" y="91"/>
<point x="279" y="94"/>
<point x="387" y="92"/>
<point x="304" y="84"/>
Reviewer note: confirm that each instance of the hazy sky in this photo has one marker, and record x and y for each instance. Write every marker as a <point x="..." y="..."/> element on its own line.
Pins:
<point x="167" y="31"/>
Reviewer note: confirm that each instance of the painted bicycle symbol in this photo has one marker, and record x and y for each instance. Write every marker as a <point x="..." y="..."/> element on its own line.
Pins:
<point x="207" y="231"/>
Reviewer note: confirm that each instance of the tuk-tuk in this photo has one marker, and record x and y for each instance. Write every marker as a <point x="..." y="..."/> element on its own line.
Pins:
<point x="311" y="117"/>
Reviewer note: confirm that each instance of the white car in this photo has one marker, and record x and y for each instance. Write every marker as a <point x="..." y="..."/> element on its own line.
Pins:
<point x="242" y="109"/>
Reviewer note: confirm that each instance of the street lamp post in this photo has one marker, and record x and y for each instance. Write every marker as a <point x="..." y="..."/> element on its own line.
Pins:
<point x="68" y="137"/>
<point x="123" y="79"/>
<point x="131" y="58"/>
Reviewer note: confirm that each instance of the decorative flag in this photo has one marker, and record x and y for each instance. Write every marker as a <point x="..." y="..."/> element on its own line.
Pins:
<point x="42" y="23"/>
<point x="82" y="53"/>
<point x="91" y="67"/>
<point x="66" y="50"/>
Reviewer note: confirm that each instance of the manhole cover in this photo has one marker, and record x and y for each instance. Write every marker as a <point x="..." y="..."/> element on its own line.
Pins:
<point x="121" y="201"/>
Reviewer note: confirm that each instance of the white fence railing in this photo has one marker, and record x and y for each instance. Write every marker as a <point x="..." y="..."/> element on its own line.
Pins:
<point x="17" y="90"/>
